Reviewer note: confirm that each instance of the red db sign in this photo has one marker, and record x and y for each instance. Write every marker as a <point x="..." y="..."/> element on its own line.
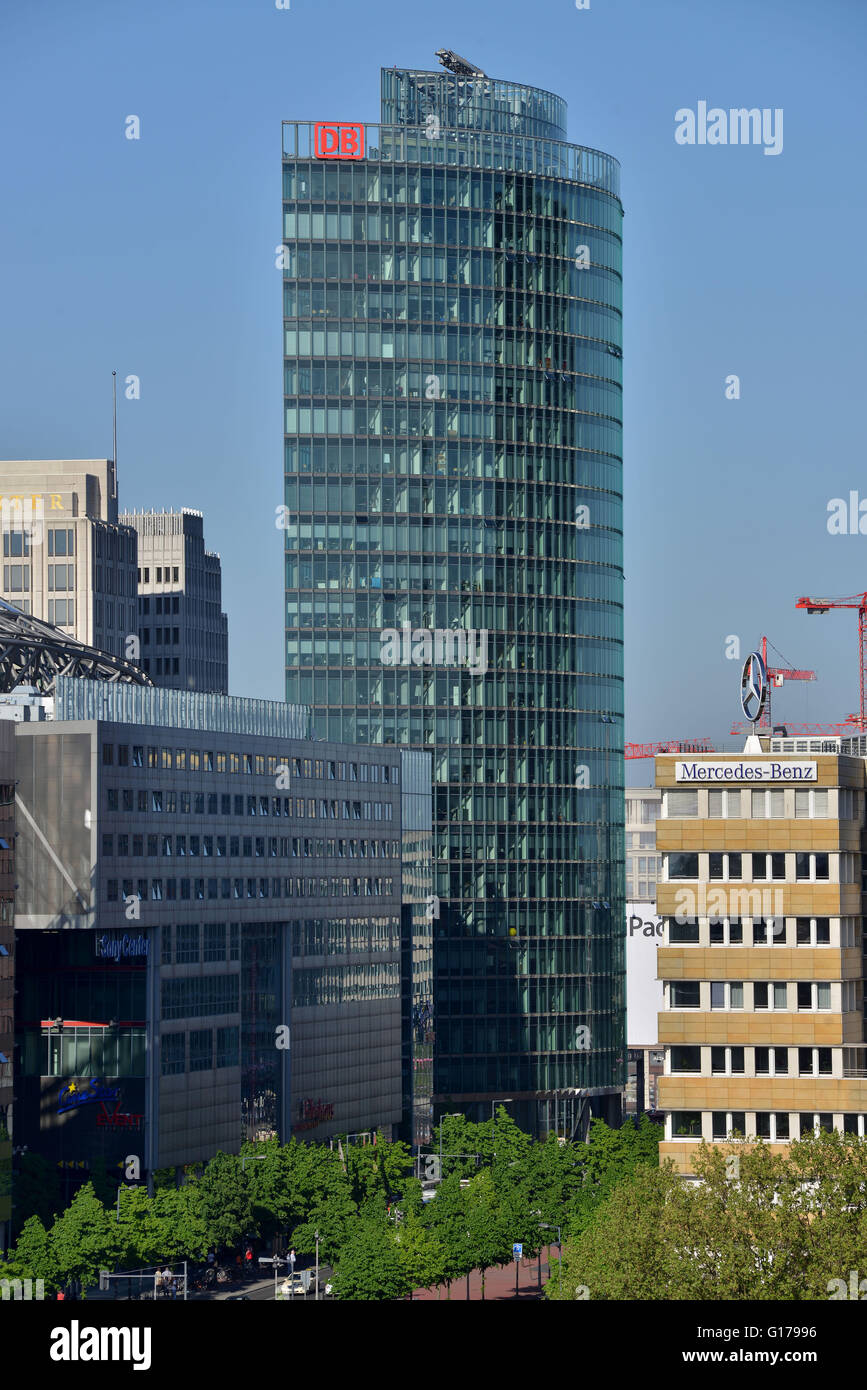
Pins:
<point x="338" y="141"/>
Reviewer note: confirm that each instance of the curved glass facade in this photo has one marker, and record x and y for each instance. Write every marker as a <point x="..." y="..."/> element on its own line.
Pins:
<point x="452" y="383"/>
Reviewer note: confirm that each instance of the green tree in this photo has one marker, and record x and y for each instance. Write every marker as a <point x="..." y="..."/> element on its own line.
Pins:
<point x="370" y="1266"/>
<point x="446" y="1217"/>
<point x="376" y="1168"/>
<point x="421" y="1255"/>
<point x="490" y="1239"/>
<point x="224" y="1202"/>
<point x="618" y="1253"/>
<point x="331" y="1210"/>
<point x="33" y="1256"/>
<point x="85" y="1238"/>
<point x="759" y="1225"/>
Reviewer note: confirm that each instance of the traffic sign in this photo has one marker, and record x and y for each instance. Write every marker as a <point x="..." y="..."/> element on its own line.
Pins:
<point x="517" y="1251"/>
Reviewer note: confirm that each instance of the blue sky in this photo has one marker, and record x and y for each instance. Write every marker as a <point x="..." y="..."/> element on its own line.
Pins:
<point x="157" y="257"/>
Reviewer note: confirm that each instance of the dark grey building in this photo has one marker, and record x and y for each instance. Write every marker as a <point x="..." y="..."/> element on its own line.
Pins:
<point x="182" y="628"/>
<point x="214" y="910"/>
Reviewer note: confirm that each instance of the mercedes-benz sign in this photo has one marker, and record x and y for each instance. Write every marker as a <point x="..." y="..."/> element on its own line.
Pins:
<point x="754" y="687"/>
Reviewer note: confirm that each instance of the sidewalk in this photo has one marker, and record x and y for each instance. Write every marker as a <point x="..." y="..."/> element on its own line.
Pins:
<point x="499" y="1284"/>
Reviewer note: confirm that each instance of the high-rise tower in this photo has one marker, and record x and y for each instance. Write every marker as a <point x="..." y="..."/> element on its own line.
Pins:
<point x="453" y="509"/>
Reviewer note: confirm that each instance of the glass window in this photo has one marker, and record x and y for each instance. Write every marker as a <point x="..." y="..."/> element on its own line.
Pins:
<point x="685" y="994"/>
<point x="201" y="1049"/>
<point x="680" y="866"/>
<point x="686" y="1059"/>
<point x="173" y="1053"/>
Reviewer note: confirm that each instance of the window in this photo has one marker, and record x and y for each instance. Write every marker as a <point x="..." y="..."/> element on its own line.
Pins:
<point x="686" y="1059"/>
<point x="723" y="804"/>
<point x="726" y="1122"/>
<point x="680" y="866"/>
<point x="172" y="1048"/>
<point x="201" y="1049"/>
<point x="684" y="994"/>
<point x="187" y="947"/>
<point x="726" y="995"/>
<point x="724" y="866"/>
<point x="767" y="804"/>
<point x="16" y="578"/>
<point x="811" y="803"/>
<point x="811" y="867"/>
<point x="772" y="1061"/>
<point x="686" y="1124"/>
<point x="18" y="543"/>
<point x="215" y="941"/>
<point x="227" y="1047"/>
<point x="770" y="933"/>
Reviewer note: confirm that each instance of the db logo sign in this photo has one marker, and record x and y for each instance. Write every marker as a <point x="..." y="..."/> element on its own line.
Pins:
<point x="338" y="141"/>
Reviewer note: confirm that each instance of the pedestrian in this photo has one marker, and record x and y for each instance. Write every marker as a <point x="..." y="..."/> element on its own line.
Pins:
<point x="292" y="1259"/>
<point x="167" y="1280"/>
<point x="248" y="1259"/>
<point x="174" y="1287"/>
<point x="211" y="1257"/>
<point x="158" y="1282"/>
<point x="61" y="1296"/>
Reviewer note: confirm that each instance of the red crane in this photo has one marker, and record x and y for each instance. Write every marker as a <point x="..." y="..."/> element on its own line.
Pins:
<point x="859" y="602"/>
<point x="776" y="677"/>
<point x="672" y="745"/>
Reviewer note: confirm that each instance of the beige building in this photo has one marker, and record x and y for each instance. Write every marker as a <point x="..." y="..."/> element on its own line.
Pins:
<point x="642" y="861"/>
<point x="762" y="957"/>
<point x="66" y="559"/>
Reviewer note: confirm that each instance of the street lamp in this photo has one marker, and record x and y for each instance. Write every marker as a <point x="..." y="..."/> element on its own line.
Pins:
<point x="455" y="1115"/>
<point x="546" y="1226"/>
<point x="252" y="1158"/>
<point x="507" y="1100"/>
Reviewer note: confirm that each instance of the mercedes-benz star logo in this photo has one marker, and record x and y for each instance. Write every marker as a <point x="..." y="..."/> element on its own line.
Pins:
<point x="754" y="687"/>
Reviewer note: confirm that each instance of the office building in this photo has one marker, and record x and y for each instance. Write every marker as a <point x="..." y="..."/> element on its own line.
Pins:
<point x="642" y="861"/>
<point x="66" y="557"/>
<point x="453" y="509"/>
<point x="762" y="955"/>
<point x="644" y="1057"/>
<point x="200" y="886"/>
<point x="7" y="972"/>
<point x="183" y="630"/>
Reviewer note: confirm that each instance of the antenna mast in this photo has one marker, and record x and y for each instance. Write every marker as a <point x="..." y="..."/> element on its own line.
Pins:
<point x="114" y="428"/>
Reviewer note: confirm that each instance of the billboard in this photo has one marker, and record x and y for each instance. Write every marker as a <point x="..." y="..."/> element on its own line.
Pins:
<point x="643" y="989"/>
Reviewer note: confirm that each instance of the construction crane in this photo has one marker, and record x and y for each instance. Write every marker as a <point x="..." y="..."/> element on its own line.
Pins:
<point x="777" y="675"/>
<point x="787" y="730"/>
<point x="672" y="745"/>
<point x="859" y="602"/>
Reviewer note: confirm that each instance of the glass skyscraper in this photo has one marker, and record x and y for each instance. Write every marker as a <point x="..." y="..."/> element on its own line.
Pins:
<point x="453" y="530"/>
